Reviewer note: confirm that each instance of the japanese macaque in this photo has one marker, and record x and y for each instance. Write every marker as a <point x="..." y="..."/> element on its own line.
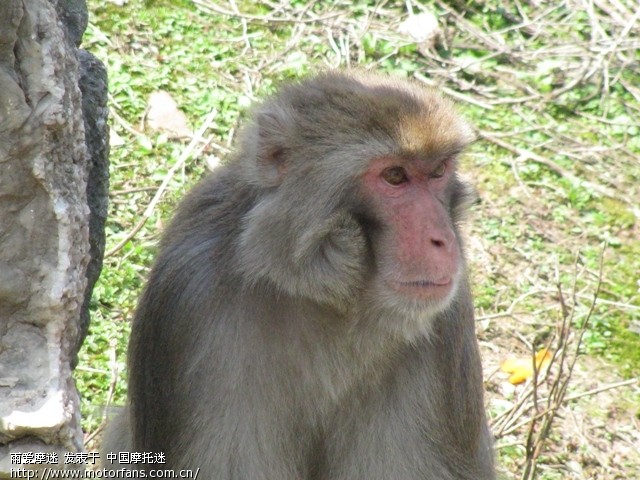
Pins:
<point x="309" y="314"/>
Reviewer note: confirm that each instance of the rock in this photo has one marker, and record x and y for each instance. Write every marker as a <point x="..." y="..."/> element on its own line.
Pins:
<point x="53" y="187"/>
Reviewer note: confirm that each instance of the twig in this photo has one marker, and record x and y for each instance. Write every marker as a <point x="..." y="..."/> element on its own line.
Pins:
<point x="529" y="155"/>
<point x="453" y="93"/>
<point x="604" y="388"/>
<point x="206" y="5"/>
<point x="537" y="436"/>
<point x="567" y="399"/>
<point x="122" y="122"/>
<point x="186" y="154"/>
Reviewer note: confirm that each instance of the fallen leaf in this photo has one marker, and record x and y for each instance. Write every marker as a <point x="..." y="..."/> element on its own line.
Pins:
<point x="163" y="114"/>
<point x="521" y="368"/>
<point x="423" y="28"/>
<point x="115" y="140"/>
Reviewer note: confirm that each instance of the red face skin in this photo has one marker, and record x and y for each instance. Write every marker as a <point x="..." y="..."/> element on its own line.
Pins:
<point x="419" y="252"/>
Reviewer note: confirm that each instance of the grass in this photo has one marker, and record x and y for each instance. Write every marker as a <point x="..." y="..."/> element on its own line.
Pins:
<point x="553" y="91"/>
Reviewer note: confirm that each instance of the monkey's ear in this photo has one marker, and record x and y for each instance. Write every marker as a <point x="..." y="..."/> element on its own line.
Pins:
<point x="274" y="128"/>
<point x="464" y="196"/>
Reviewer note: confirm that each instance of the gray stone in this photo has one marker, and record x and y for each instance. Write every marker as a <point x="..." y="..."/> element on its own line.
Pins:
<point x="53" y="193"/>
<point x="93" y="85"/>
<point x="73" y="14"/>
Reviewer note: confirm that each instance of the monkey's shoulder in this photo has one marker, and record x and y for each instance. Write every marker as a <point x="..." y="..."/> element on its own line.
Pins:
<point x="199" y="240"/>
<point x="213" y="206"/>
<point x="211" y="193"/>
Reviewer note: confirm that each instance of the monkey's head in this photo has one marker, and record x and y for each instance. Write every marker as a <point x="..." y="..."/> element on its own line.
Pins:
<point x="359" y="193"/>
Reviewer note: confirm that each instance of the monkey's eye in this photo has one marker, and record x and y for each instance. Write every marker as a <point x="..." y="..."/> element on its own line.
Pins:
<point x="395" y="176"/>
<point x="439" y="171"/>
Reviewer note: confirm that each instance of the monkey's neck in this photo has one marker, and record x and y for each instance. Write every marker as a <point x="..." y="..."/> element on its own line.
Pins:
<point x="326" y="354"/>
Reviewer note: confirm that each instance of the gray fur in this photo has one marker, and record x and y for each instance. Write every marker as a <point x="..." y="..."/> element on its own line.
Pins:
<point x="264" y="349"/>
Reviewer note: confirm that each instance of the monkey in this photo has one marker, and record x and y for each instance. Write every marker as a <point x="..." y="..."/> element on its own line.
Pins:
<point x="309" y="314"/>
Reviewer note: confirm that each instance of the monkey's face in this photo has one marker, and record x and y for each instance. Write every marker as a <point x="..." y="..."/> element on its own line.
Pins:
<point x="359" y="196"/>
<point x="417" y="253"/>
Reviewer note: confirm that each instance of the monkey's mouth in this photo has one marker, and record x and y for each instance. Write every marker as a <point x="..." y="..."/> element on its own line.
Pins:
<point x="428" y="289"/>
<point x="427" y="283"/>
